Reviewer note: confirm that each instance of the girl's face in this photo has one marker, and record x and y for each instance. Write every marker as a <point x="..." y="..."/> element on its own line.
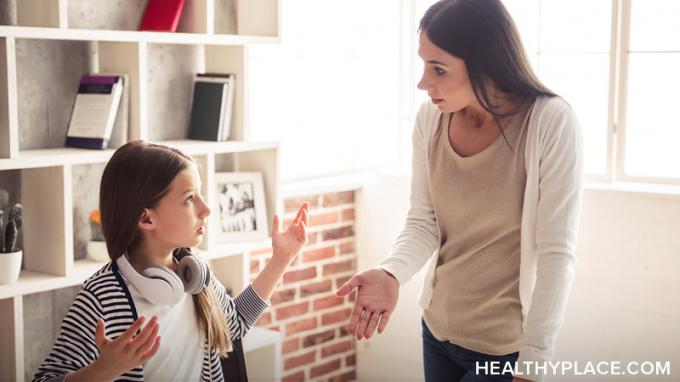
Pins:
<point x="445" y="78"/>
<point x="179" y="218"/>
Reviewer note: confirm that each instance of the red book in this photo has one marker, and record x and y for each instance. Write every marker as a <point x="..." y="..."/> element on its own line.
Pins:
<point x="162" y="15"/>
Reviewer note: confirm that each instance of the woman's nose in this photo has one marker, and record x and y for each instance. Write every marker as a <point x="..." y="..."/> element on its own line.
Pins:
<point x="422" y="85"/>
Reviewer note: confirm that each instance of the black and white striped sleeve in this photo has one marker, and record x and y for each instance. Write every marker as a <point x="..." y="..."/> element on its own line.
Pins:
<point x="75" y="347"/>
<point x="241" y="312"/>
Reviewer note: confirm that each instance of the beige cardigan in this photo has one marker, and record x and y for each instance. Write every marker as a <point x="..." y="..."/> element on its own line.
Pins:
<point x="550" y="219"/>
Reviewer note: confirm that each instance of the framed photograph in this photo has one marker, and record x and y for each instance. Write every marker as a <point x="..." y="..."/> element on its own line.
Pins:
<point x="242" y="210"/>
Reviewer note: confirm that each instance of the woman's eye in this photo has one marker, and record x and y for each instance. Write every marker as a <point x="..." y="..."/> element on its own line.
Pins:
<point x="439" y="71"/>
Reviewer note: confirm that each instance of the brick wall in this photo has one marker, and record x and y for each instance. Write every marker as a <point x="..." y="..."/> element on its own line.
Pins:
<point x="316" y="344"/>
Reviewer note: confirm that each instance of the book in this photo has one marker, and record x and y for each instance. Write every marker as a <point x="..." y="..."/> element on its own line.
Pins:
<point x="94" y="111"/>
<point x="211" y="108"/>
<point x="119" y="135"/>
<point x="162" y="15"/>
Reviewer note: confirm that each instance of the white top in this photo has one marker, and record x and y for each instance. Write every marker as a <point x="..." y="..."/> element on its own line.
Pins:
<point x="549" y="228"/>
<point x="180" y="356"/>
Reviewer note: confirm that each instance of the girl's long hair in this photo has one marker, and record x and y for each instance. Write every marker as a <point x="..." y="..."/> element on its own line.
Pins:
<point x="136" y="177"/>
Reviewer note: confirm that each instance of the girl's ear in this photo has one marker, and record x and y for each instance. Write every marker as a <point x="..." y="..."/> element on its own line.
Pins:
<point x="145" y="220"/>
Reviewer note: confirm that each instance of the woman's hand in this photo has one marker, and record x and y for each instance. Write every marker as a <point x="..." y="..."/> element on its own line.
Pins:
<point x="377" y="294"/>
<point x="286" y="245"/>
<point x="128" y="350"/>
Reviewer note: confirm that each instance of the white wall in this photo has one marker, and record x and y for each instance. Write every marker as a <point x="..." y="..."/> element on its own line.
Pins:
<point x="625" y="304"/>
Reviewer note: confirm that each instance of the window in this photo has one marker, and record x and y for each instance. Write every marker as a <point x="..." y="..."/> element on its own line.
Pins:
<point x="332" y="96"/>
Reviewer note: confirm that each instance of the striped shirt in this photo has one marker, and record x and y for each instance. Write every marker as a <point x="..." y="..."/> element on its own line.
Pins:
<point x="105" y="295"/>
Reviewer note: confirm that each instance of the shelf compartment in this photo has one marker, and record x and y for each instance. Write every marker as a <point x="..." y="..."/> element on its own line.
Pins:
<point x="11" y="338"/>
<point x="9" y="137"/>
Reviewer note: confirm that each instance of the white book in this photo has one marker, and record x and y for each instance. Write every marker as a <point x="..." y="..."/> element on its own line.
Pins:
<point x="94" y="111"/>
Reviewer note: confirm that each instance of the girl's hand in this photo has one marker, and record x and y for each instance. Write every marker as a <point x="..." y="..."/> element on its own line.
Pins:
<point x="127" y="351"/>
<point x="287" y="244"/>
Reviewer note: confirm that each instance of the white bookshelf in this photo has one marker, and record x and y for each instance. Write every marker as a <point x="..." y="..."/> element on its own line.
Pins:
<point x="45" y="174"/>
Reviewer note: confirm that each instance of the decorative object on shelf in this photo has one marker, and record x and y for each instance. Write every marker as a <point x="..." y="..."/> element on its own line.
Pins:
<point x="96" y="247"/>
<point x="162" y="15"/>
<point x="94" y="111"/>
<point x="212" y="106"/>
<point x="242" y="206"/>
<point x="10" y="255"/>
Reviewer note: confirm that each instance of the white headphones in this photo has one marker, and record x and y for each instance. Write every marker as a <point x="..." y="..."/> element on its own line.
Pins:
<point x="161" y="285"/>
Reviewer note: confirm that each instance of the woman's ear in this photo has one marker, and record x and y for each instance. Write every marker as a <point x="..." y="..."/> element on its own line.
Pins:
<point x="146" y="221"/>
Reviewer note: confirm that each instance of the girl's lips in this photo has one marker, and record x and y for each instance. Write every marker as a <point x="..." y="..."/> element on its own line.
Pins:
<point x="200" y="230"/>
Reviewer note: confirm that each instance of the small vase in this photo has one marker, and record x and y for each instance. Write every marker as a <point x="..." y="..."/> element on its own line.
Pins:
<point x="96" y="251"/>
<point x="10" y="267"/>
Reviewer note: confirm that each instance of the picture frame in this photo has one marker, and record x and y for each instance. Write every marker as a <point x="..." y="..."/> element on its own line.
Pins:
<point x="241" y="212"/>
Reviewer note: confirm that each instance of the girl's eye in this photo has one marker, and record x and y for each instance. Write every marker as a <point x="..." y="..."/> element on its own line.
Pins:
<point x="190" y="198"/>
<point x="439" y="71"/>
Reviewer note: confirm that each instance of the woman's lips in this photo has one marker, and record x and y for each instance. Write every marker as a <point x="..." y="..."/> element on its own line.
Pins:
<point x="437" y="101"/>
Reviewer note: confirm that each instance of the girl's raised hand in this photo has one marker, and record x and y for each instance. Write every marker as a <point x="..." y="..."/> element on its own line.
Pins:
<point x="127" y="351"/>
<point x="288" y="243"/>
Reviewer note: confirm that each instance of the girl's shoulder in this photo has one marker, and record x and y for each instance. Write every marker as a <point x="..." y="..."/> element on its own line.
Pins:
<point x="105" y="275"/>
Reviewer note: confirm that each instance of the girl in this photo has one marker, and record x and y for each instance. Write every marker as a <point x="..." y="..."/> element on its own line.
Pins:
<point x="496" y="195"/>
<point x="133" y="319"/>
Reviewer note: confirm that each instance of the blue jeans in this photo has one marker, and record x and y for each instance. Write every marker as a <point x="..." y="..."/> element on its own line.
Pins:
<point x="445" y="361"/>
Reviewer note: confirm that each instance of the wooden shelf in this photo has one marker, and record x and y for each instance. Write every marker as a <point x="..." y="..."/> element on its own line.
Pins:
<point x="67" y="155"/>
<point x="39" y="33"/>
<point x="36" y="282"/>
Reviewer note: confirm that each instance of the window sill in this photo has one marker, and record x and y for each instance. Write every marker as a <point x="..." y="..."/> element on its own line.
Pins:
<point x="651" y="189"/>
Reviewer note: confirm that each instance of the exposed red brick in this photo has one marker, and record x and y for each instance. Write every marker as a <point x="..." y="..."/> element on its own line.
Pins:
<point x="347" y="247"/>
<point x="284" y="295"/>
<point x="327" y="302"/>
<point x="318" y="338"/>
<point x="304" y="359"/>
<point x="339" y="316"/>
<point x="300" y="326"/>
<point x="290" y="345"/>
<point x="338" y="198"/>
<point x="304" y="274"/>
<point x="265" y="319"/>
<point x="351" y="360"/>
<point x="339" y="267"/>
<point x="315" y="288"/>
<point x="292" y="204"/>
<point x="344" y="377"/>
<point x="340" y="281"/>
<point x="337" y="233"/>
<point x="326" y="368"/>
<point x="336" y="348"/>
<point x="343" y="331"/>
<point x="312" y="237"/>
<point x="319" y="219"/>
<point x="348" y="214"/>
<point x="319" y="254"/>
<point x="293" y="310"/>
<point x="295" y="377"/>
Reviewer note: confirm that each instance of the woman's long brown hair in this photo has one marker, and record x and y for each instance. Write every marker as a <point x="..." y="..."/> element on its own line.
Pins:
<point x="136" y="177"/>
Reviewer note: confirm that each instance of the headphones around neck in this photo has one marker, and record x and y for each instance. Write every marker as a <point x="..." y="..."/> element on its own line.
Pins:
<point x="161" y="285"/>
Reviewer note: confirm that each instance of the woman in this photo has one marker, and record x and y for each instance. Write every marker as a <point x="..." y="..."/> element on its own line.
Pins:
<point x="496" y="195"/>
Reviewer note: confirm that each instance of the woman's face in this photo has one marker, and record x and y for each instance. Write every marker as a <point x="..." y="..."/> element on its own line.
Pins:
<point x="180" y="216"/>
<point x="445" y="78"/>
